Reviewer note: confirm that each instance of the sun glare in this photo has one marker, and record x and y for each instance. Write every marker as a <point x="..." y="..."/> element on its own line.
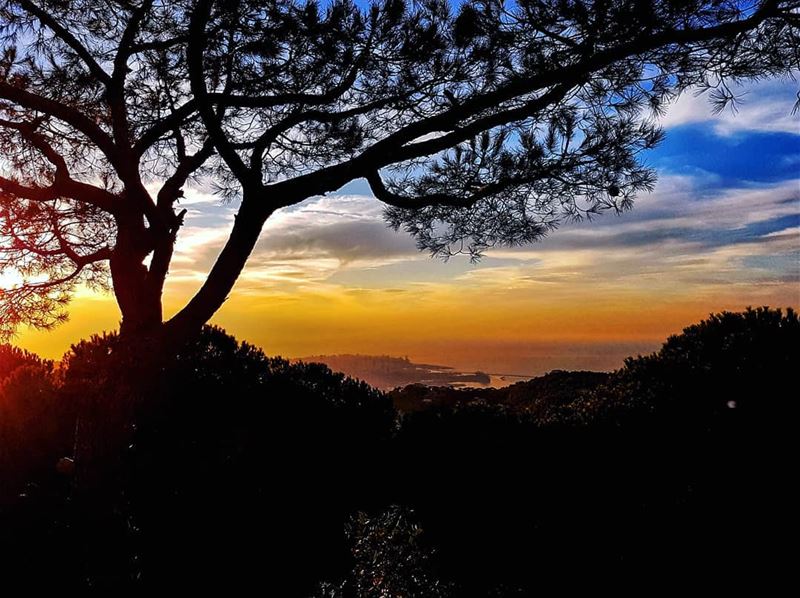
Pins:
<point x="10" y="279"/>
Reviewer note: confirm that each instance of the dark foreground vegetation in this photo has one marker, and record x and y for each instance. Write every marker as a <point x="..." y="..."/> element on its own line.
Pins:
<point x="243" y="471"/>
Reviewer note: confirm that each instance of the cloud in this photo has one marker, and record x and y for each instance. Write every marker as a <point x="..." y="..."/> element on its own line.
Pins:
<point x="684" y="240"/>
<point x="304" y="244"/>
<point x="325" y="236"/>
<point x="349" y="228"/>
<point x="688" y="232"/>
<point x="681" y="210"/>
<point x="764" y="106"/>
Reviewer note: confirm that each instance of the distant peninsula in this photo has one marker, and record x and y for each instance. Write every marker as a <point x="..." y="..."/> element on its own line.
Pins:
<point x="386" y="372"/>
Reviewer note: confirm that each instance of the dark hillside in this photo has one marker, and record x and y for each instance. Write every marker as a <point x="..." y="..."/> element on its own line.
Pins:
<point x="246" y="471"/>
<point x="536" y="397"/>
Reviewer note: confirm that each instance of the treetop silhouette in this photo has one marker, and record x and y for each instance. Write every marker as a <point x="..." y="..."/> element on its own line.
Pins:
<point x="480" y="124"/>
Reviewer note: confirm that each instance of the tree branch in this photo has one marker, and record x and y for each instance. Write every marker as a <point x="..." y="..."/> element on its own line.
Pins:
<point x="269" y="136"/>
<point x="64" y="35"/>
<point x="306" y="99"/>
<point x="194" y="55"/>
<point x="71" y="116"/>
<point x="81" y="192"/>
<point x="32" y="193"/>
<point x="63" y="185"/>
<point x="165" y="125"/>
<point x="380" y="191"/>
<point x="162" y="44"/>
<point x="170" y="190"/>
<point x="394" y="147"/>
<point x="460" y="134"/>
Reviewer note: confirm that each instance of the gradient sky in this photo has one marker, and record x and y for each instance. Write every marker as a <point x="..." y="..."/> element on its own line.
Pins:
<point x="721" y="231"/>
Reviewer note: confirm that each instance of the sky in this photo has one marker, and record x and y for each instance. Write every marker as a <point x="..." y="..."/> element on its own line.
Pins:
<point x="721" y="231"/>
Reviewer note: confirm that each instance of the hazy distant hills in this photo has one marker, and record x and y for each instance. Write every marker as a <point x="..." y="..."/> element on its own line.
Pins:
<point x="385" y="372"/>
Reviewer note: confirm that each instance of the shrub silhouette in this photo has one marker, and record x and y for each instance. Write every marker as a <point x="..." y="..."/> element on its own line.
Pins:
<point x="390" y="559"/>
<point x="35" y="423"/>
<point x="677" y="463"/>
<point x="728" y="368"/>
<point x="12" y="358"/>
<point x="238" y="463"/>
<point x="243" y="469"/>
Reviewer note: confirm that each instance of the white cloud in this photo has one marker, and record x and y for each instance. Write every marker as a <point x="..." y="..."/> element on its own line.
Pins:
<point x="305" y="244"/>
<point x="688" y="233"/>
<point x="764" y="106"/>
<point x="683" y="239"/>
<point x="349" y="228"/>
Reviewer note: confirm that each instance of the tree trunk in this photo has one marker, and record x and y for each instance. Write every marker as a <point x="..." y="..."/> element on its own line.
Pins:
<point x="113" y="379"/>
<point x="116" y="390"/>
<point x="138" y="293"/>
<point x="139" y="301"/>
<point x="226" y="270"/>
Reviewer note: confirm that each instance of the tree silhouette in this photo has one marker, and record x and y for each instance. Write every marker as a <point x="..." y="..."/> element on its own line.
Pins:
<point x="486" y="124"/>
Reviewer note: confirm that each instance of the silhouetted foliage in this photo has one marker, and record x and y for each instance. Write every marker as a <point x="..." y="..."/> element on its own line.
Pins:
<point x="730" y="367"/>
<point x="233" y="454"/>
<point x="243" y="471"/>
<point x="36" y="425"/>
<point x="12" y="358"/>
<point x="390" y="559"/>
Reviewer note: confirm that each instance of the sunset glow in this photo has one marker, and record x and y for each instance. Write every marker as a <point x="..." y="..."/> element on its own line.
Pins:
<point x="721" y="231"/>
<point x="430" y="298"/>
